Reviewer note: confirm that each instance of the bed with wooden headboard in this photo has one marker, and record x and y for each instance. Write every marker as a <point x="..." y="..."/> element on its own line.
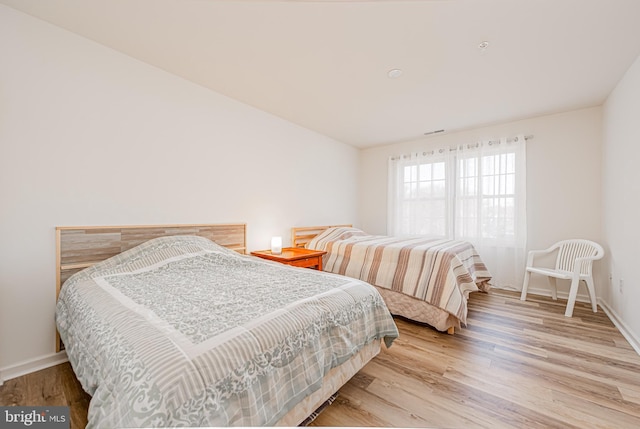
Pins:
<point x="421" y="278"/>
<point x="79" y="247"/>
<point x="192" y="332"/>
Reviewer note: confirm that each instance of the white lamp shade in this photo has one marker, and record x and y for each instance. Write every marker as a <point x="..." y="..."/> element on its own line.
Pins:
<point x="276" y="245"/>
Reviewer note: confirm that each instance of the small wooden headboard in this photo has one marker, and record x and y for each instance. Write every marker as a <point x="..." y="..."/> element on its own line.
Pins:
<point x="79" y="247"/>
<point x="300" y="236"/>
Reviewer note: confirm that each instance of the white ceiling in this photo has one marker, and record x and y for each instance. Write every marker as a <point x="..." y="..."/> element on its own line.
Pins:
<point x="324" y="64"/>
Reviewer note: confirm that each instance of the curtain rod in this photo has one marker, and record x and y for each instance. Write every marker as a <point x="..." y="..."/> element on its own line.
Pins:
<point x="509" y="140"/>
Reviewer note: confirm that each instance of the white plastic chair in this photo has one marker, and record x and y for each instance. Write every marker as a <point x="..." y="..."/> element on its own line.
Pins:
<point x="574" y="262"/>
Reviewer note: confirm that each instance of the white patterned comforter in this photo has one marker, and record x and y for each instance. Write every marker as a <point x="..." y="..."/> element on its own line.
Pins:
<point x="182" y="332"/>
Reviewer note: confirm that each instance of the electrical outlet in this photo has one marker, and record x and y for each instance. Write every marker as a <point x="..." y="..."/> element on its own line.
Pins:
<point x="621" y="285"/>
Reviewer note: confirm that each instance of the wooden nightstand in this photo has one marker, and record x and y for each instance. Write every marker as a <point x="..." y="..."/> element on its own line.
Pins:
<point x="296" y="256"/>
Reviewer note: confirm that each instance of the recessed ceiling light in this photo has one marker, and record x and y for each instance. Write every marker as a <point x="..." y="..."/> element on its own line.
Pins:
<point x="483" y="45"/>
<point x="395" y="73"/>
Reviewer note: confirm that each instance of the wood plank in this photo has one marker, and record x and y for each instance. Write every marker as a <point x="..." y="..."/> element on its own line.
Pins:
<point x="515" y="365"/>
<point x="76" y="398"/>
<point x="55" y="386"/>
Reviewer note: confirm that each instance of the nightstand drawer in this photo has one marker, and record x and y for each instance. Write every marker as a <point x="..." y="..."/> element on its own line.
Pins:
<point x="305" y="263"/>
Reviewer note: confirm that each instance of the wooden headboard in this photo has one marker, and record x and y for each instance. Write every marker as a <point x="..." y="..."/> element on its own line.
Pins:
<point x="79" y="247"/>
<point x="300" y="236"/>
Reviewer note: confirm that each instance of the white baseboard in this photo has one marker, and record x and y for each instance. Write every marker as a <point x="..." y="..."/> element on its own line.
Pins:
<point x="622" y="327"/>
<point x="32" y="365"/>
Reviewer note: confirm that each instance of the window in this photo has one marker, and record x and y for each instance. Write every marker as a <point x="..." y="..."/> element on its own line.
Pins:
<point x="474" y="193"/>
<point x="419" y="194"/>
<point x="424" y="199"/>
<point x="485" y="197"/>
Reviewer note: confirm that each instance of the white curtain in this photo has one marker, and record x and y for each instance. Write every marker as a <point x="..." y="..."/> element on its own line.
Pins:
<point x="418" y="195"/>
<point x="490" y="205"/>
<point x="474" y="192"/>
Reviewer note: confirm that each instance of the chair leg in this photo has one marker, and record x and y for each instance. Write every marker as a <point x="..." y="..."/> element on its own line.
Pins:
<point x="592" y="293"/>
<point x="554" y="287"/>
<point x="525" y="286"/>
<point x="573" y="292"/>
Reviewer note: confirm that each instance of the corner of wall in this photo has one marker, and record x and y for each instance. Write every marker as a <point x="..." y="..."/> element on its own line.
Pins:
<point x="624" y="329"/>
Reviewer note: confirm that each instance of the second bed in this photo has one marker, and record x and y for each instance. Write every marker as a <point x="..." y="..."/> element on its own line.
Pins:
<point x="420" y="278"/>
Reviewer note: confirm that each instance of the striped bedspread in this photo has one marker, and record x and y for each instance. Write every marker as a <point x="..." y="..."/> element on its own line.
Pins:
<point x="182" y="332"/>
<point x="440" y="272"/>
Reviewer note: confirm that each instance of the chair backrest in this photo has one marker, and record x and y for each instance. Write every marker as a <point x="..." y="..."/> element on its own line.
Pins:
<point x="570" y="250"/>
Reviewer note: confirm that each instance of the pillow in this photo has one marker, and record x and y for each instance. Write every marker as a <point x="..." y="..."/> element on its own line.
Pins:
<point x="338" y="233"/>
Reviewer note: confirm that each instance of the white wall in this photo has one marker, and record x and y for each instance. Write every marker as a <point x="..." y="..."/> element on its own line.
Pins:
<point x="621" y="197"/>
<point x="563" y="178"/>
<point x="89" y="136"/>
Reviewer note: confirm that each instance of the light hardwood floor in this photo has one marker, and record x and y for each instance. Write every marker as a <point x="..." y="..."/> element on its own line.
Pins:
<point x="57" y="385"/>
<point x="516" y="365"/>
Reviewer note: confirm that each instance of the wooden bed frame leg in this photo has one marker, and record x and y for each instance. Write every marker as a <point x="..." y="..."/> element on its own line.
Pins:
<point x="451" y="330"/>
